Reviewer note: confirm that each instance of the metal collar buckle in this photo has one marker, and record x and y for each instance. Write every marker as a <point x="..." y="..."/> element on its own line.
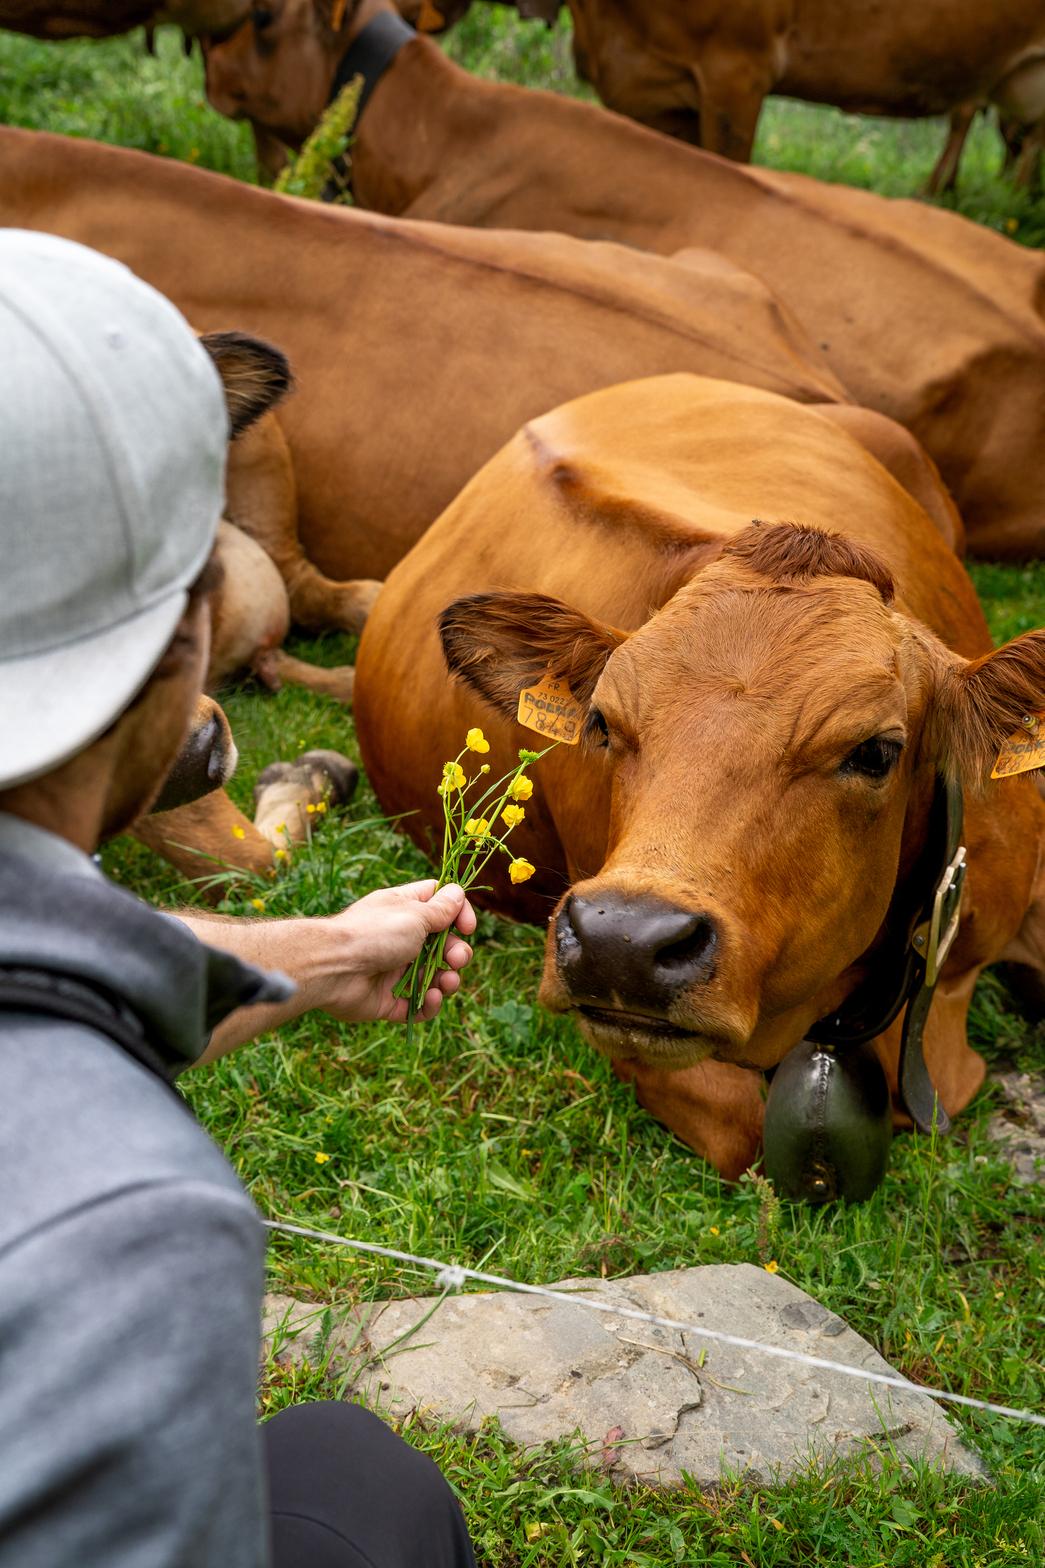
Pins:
<point x="933" y="938"/>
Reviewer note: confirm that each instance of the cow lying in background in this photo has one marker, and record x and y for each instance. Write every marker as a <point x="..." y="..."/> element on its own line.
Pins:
<point x="767" y="710"/>
<point x="417" y="348"/>
<point x="58" y="19"/>
<point x="700" y="70"/>
<point x="922" y="315"/>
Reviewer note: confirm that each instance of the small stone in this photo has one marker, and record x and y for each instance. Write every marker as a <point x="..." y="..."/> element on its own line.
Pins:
<point x="547" y="1370"/>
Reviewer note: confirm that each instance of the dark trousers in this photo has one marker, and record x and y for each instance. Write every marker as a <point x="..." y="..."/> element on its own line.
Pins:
<point x="346" y="1492"/>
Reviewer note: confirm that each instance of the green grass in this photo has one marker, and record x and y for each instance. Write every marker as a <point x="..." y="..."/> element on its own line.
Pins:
<point x="500" y="1140"/>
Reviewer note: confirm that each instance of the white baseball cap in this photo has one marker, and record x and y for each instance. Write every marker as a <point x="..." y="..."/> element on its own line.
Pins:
<point x="113" y="436"/>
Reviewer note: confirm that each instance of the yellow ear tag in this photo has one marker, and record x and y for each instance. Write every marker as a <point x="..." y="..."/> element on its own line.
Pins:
<point x="551" y="709"/>
<point x="1023" y="750"/>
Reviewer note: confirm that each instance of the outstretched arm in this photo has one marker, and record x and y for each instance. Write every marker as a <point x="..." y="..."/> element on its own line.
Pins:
<point x="346" y="964"/>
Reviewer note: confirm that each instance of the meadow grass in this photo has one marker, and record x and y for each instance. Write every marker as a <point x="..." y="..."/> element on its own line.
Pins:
<point x="499" y="1140"/>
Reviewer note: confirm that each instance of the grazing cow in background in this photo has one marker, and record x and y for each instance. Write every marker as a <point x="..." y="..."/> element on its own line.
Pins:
<point x="58" y="19"/>
<point x="767" y="710"/>
<point x="700" y="69"/>
<point x="923" y="315"/>
<point x="417" y="348"/>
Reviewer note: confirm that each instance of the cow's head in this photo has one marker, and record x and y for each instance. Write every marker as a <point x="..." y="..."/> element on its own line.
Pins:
<point x="773" y="736"/>
<point x="277" y="69"/>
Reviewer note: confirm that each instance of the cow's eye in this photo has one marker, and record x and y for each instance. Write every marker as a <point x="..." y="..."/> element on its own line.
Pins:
<point x="596" y="730"/>
<point x="874" y="758"/>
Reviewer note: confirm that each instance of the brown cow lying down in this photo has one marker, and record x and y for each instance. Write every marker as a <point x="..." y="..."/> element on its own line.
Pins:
<point x="767" y="709"/>
<point x="57" y="19"/>
<point x="417" y="348"/>
<point x="700" y="70"/>
<point x="923" y="315"/>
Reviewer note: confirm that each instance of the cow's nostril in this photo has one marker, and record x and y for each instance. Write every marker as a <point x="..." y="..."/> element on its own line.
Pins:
<point x="691" y="953"/>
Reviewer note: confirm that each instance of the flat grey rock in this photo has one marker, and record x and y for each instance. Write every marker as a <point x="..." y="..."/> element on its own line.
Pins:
<point x="649" y="1403"/>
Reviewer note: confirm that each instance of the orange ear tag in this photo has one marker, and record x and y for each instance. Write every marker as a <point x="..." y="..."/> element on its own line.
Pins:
<point x="1023" y="750"/>
<point x="551" y="709"/>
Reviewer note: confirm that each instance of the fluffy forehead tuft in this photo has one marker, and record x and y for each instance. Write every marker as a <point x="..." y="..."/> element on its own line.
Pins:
<point x="794" y="553"/>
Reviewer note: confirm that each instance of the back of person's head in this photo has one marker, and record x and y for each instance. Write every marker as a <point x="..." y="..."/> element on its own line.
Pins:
<point x="113" y="436"/>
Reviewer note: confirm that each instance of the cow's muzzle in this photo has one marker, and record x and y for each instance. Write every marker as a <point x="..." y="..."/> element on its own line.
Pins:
<point x="632" y="954"/>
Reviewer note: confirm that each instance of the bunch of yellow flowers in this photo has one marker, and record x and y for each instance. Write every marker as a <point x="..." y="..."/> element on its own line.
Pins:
<point x="473" y="831"/>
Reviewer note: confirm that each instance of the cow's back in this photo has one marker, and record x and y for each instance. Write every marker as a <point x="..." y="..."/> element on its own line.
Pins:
<point x="417" y="348"/>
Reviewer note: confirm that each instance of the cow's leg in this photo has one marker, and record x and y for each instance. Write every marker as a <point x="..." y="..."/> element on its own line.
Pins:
<point x="732" y="87"/>
<point x="945" y="175"/>
<point x="714" y="1107"/>
<point x="1024" y="957"/>
<point x="276" y="667"/>
<point x="205" y="838"/>
<point x="289" y="796"/>
<point x="261" y="499"/>
<point x="272" y="157"/>
<point x="1028" y="164"/>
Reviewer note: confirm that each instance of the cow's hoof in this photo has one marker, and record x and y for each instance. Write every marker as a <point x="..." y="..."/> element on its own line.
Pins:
<point x="287" y="795"/>
<point x="828" y="1124"/>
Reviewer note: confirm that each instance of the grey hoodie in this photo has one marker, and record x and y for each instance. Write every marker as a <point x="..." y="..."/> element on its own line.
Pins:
<point x="131" y="1259"/>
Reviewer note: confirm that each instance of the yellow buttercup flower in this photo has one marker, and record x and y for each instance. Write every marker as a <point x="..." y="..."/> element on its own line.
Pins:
<point x="512" y="816"/>
<point x="475" y="740"/>
<point x="478" y="827"/>
<point x="280" y="854"/>
<point x="772" y="1266"/>
<point x="258" y="904"/>
<point x="521" y="788"/>
<point x="238" y="832"/>
<point x="321" y="1158"/>
<point x="321" y="807"/>
<point x="521" y="870"/>
<point x="453" y="778"/>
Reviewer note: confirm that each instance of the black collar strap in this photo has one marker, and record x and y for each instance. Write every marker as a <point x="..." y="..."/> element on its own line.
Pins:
<point x="905" y="972"/>
<point x="370" y="54"/>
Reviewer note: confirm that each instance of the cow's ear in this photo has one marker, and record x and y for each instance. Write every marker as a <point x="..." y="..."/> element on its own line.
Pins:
<point x="981" y="703"/>
<point x="254" y="374"/>
<point x="497" y="643"/>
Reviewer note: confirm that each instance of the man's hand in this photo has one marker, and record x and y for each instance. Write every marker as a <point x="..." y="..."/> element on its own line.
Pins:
<point x="345" y="965"/>
<point x="382" y="935"/>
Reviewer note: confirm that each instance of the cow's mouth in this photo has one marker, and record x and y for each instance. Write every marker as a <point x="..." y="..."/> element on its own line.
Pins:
<point x="653" y="1041"/>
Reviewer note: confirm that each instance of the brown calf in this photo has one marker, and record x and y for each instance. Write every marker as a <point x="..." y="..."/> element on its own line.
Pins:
<point x="768" y="708"/>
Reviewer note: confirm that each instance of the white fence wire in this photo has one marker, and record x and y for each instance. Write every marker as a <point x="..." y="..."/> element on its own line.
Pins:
<point x="451" y="1276"/>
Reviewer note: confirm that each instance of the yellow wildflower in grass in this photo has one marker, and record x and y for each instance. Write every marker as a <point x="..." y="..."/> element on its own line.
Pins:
<point x="521" y="870"/>
<point x="511" y="816"/>
<point x="258" y="904"/>
<point x="453" y="778"/>
<point x="477" y="827"/>
<point x="238" y="832"/>
<point x="321" y="1158"/>
<point x="310" y="808"/>
<point x="714" y="1230"/>
<point x="522" y="788"/>
<point x="321" y="808"/>
<point x="475" y="740"/>
<point x="280" y="854"/>
<point x="772" y="1267"/>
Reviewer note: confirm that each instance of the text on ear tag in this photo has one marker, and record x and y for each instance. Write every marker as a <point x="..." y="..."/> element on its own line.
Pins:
<point x="551" y="709"/>
<point x="1023" y="750"/>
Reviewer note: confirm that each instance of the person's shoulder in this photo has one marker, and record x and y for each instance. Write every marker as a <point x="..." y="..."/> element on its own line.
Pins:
<point x="86" y="1122"/>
